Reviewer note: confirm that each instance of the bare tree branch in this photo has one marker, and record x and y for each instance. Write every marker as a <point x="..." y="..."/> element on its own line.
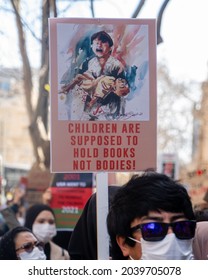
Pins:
<point x="38" y="116"/>
<point x="25" y="60"/>
<point x="138" y="8"/>
<point x="92" y="8"/>
<point x="54" y="7"/>
<point x="159" y="21"/>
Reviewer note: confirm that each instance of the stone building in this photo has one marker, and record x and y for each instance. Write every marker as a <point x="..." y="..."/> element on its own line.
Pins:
<point x="15" y="145"/>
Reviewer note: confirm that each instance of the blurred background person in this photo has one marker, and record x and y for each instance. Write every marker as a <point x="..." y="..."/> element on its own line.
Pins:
<point x="200" y="242"/>
<point x="40" y="218"/>
<point x="47" y="196"/>
<point x="20" y="243"/>
<point x="13" y="214"/>
<point x="201" y="212"/>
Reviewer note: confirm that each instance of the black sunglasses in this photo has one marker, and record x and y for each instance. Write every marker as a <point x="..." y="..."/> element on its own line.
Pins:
<point x="28" y="247"/>
<point x="156" y="231"/>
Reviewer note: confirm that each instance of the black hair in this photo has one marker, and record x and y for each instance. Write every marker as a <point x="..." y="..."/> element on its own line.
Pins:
<point x="201" y="215"/>
<point x="7" y="243"/>
<point x="83" y="241"/>
<point x="143" y="193"/>
<point x="103" y="37"/>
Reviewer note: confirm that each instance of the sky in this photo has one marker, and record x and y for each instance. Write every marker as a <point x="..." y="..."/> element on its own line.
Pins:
<point x="184" y="31"/>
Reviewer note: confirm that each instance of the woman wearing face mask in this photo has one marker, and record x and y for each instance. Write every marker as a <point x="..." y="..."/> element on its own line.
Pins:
<point x="20" y="243"/>
<point x="40" y="218"/>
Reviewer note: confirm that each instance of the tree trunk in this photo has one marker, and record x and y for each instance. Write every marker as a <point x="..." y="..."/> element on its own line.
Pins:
<point x="38" y="116"/>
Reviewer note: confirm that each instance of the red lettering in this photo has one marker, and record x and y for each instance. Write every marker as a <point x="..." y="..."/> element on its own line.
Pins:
<point x="131" y="128"/>
<point x="114" y="165"/>
<point x="85" y="153"/>
<point x="82" y="165"/>
<point x="118" y="152"/>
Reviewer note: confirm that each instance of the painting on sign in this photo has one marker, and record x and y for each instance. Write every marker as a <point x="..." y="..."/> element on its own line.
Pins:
<point x="103" y="72"/>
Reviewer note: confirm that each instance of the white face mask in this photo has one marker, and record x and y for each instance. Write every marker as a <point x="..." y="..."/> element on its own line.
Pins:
<point x="170" y="248"/>
<point x="21" y="220"/>
<point x="44" y="232"/>
<point x="36" y="254"/>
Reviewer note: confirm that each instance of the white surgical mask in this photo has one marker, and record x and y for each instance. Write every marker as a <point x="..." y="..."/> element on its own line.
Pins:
<point x="44" y="232"/>
<point x="170" y="248"/>
<point x="36" y="254"/>
<point x="21" y="220"/>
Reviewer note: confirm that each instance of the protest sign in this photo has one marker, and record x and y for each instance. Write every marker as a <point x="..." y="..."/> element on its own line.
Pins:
<point x="70" y="192"/>
<point x="103" y="94"/>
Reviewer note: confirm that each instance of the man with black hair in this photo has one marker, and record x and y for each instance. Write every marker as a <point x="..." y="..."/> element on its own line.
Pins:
<point x="151" y="218"/>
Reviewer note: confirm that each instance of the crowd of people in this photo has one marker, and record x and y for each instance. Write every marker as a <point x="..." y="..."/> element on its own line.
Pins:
<point x="151" y="217"/>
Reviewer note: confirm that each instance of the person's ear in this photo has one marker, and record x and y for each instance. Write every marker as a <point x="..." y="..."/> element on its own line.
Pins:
<point x="121" y="241"/>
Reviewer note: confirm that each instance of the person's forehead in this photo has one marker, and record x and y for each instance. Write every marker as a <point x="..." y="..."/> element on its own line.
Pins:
<point x="103" y="40"/>
<point x="45" y="214"/>
<point x="164" y="214"/>
<point x="24" y="237"/>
